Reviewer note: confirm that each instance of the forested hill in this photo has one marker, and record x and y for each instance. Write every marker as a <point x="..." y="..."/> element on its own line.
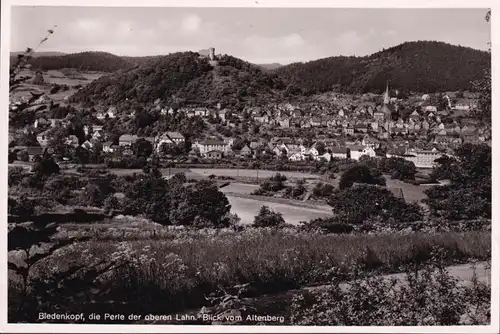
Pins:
<point x="421" y="66"/>
<point x="87" y="61"/>
<point x="184" y="77"/>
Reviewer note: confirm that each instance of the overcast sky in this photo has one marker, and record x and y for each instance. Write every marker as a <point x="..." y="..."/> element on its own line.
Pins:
<point x="256" y="35"/>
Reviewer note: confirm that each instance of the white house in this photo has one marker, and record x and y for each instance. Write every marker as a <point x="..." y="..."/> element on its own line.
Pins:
<point x="313" y="151"/>
<point x="357" y="152"/>
<point x="43" y="138"/>
<point x="295" y="156"/>
<point x="171" y="138"/>
<point x="423" y="158"/>
<point x="202" y="112"/>
<point x="108" y="147"/>
<point x="278" y="150"/>
<point x="327" y="157"/>
<point x="339" y="152"/>
<point x="370" y="142"/>
<point x="430" y="109"/>
<point x="222" y="114"/>
<point x="111" y="112"/>
<point x="463" y="107"/>
<point x="212" y="145"/>
<point x="168" y="111"/>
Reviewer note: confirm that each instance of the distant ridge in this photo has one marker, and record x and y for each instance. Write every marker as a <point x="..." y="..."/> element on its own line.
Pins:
<point x="272" y="66"/>
<point x="425" y="66"/>
<point x="40" y="54"/>
<point x="422" y="66"/>
<point x="89" y="61"/>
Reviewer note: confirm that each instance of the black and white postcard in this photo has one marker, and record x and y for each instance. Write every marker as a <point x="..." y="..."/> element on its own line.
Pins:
<point x="256" y="166"/>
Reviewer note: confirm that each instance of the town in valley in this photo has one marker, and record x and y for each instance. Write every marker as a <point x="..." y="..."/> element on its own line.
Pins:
<point x="199" y="186"/>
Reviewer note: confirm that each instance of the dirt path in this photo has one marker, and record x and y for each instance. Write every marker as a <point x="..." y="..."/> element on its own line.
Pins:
<point x="462" y="272"/>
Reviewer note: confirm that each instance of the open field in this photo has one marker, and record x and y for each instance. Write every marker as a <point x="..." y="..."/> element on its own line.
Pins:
<point x="247" y="209"/>
<point x="56" y="77"/>
<point x="411" y="192"/>
<point x="251" y="173"/>
<point x="240" y="188"/>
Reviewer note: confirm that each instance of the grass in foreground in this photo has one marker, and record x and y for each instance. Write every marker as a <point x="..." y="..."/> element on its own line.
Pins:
<point x="176" y="270"/>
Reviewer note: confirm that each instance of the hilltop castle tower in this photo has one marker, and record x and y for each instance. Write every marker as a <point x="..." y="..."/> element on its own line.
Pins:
<point x="211" y="53"/>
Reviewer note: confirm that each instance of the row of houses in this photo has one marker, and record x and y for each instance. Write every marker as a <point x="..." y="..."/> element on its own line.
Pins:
<point x="202" y="112"/>
<point x="291" y="149"/>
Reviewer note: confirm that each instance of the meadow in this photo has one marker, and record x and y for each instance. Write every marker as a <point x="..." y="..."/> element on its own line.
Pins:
<point x="248" y="208"/>
<point x="252" y="173"/>
<point x="56" y="77"/>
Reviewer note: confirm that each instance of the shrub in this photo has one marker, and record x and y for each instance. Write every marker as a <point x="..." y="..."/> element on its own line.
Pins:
<point x="16" y="174"/>
<point x="323" y="190"/>
<point x="24" y="156"/>
<point x="112" y="203"/>
<point x="429" y="297"/>
<point x="21" y="207"/>
<point x="297" y="191"/>
<point x="327" y="225"/>
<point x="360" y="174"/>
<point x="268" y="218"/>
<point x="360" y="203"/>
<point x="470" y="175"/>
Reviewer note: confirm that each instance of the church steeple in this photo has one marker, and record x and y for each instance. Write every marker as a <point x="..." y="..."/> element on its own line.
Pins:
<point x="386" y="94"/>
<point x="385" y="109"/>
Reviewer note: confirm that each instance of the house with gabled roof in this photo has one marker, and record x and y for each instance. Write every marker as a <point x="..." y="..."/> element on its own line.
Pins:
<point x="315" y="121"/>
<point x="349" y="130"/>
<point x="169" y="138"/>
<point x="284" y="123"/>
<point x="72" y="141"/>
<point x="262" y="118"/>
<point x="431" y="109"/>
<point x="44" y="138"/>
<point x="87" y="145"/>
<point x="339" y="152"/>
<point x="414" y="115"/>
<point x="370" y="142"/>
<point x="361" y="128"/>
<point x="213" y="154"/>
<point x="222" y="114"/>
<point x="212" y="145"/>
<point x="127" y="140"/>
<point x="295" y="155"/>
<point x="201" y="112"/>
<point x="469" y="135"/>
<point x="245" y="151"/>
<point x="108" y="147"/>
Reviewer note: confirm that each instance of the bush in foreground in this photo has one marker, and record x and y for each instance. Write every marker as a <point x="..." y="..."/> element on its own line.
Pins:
<point x="367" y="202"/>
<point x="430" y="297"/>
